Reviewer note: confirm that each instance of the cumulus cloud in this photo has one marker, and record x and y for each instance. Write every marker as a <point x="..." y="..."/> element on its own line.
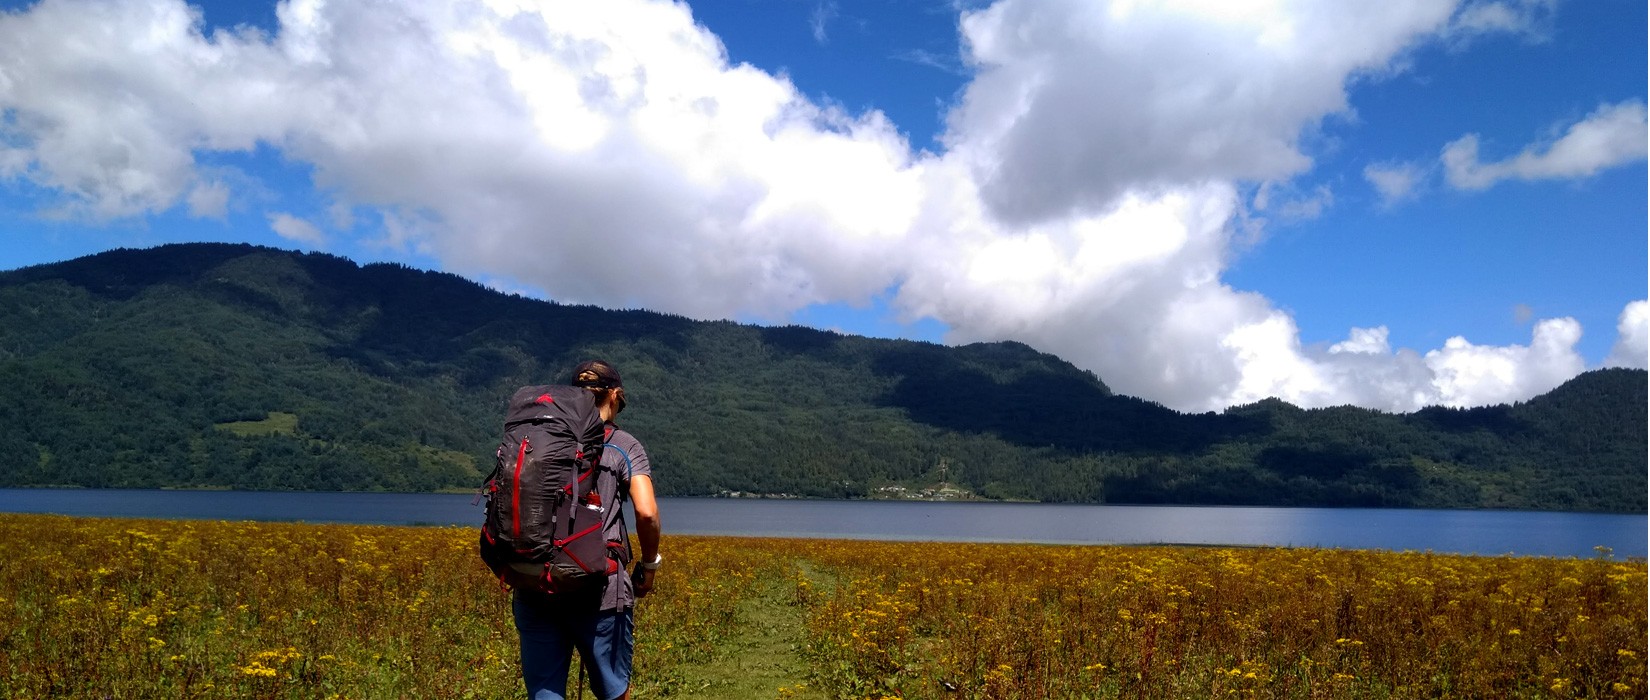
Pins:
<point x="1396" y="182"/>
<point x="1364" y="341"/>
<point x="1612" y="135"/>
<point x="1076" y="102"/>
<point x="1467" y="375"/>
<point x="120" y="143"/>
<point x="1531" y="19"/>
<point x="1632" y="348"/>
<point x="1365" y="370"/>
<point x="1290" y="204"/>
<point x="295" y="229"/>
<point x="1086" y="201"/>
<point x="209" y="200"/>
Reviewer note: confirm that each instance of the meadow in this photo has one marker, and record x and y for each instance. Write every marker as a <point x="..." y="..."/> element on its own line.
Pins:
<point x="204" y="609"/>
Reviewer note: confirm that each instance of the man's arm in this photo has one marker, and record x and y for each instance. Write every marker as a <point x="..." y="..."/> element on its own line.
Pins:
<point x="647" y="529"/>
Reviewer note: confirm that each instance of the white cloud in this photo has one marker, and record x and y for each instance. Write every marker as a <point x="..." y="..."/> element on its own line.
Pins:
<point x="1310" y="206"/>
<point x="1531" y="19"/>
<point x="1364" y="370"/>
<point x="1632" y="348"/>
<point x="1612" y="135"/>
<point x="1290" y="204"/>
<point x="1471" y="375"/>
<point x="1396" y="182"/>
<point x="295" y="229"/>
<point x="13" y="161"/>
<point x="209" y="200"/>
<point x="819" y="21"/>
<point x="120" y="143"/>
<point x="1087" y="200"/>
<point x="944" y="62"/>
<point x="1077" y="102"/>
<point x="1364" y="341"/>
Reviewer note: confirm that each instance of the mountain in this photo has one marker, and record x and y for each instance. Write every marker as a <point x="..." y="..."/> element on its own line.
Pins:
<point x="222" y="365"/>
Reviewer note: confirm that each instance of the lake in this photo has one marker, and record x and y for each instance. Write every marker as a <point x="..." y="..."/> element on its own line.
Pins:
<point x="1520" y="533"/>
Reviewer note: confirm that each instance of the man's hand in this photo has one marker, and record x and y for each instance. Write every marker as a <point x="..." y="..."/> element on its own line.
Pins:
<point x="642" y="580"/>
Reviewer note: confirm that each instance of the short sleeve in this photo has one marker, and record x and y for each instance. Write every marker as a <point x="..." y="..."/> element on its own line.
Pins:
<point x="631" y="458"/>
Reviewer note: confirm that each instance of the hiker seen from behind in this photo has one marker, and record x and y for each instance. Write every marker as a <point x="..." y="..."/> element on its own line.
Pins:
<point x="555" y="531"/>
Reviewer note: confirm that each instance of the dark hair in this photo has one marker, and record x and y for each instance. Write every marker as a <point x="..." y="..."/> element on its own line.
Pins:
<point x="600" y="378"/>
<point x="596" y="374"/>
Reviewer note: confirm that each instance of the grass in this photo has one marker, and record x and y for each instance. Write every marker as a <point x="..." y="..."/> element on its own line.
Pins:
<point x="762" y="655"/>
<point x="198" y="609"/>
<point x="276" y="423"/>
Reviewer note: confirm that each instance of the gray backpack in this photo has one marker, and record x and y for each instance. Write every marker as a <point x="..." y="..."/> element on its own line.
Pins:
<point x="545" y="522"/>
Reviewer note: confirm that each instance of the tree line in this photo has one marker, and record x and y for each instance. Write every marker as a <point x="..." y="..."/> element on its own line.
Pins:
<point x="219" y="365"/>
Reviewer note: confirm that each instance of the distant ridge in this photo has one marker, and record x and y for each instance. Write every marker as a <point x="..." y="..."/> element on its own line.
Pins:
<point x="232" y="365"/>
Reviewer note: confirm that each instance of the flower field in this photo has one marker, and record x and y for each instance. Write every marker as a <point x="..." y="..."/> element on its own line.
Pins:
<point x="1087" y="622"/>
<point x="200" y="609"/>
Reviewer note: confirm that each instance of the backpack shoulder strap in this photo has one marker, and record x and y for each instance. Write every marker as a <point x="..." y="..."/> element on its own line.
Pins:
<point x="607" y="441"/>
<point x="621" y="490"/>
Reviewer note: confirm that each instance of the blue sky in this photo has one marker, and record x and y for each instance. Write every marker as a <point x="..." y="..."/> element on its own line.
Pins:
<point x="1331" y="202"/>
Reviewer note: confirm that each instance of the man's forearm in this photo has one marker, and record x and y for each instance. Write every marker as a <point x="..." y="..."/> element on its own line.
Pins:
<point x="647" y="516"/>
<point x="647" y="532"/>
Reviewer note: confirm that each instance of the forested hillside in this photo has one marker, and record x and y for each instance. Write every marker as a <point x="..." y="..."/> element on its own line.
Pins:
<point x="216" y="365"/>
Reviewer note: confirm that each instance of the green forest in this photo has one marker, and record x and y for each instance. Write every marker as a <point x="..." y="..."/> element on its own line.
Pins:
<point x="236" y="366"/>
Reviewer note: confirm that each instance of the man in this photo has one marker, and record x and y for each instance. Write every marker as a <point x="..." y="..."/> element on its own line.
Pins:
<point x="600" y="624"/>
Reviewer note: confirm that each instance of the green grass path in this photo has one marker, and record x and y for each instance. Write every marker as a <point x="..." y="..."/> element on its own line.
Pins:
<point x="760" y="657"/>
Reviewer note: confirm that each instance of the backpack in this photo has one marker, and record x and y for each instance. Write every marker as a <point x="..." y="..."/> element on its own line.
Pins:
<point x="545" y="520"/>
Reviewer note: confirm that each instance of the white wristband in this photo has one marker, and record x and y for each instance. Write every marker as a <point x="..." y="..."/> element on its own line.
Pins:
<point x="651" y="565"/>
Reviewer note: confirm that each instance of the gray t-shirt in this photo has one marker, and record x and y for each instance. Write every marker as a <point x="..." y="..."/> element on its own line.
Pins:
<point x="620" y="593"/>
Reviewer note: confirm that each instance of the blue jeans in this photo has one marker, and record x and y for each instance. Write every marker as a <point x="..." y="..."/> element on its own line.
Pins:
<point x="550" y="629"/>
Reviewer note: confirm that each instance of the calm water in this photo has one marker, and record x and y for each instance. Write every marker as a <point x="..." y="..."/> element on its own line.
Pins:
<point x="1461" y="532"/>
